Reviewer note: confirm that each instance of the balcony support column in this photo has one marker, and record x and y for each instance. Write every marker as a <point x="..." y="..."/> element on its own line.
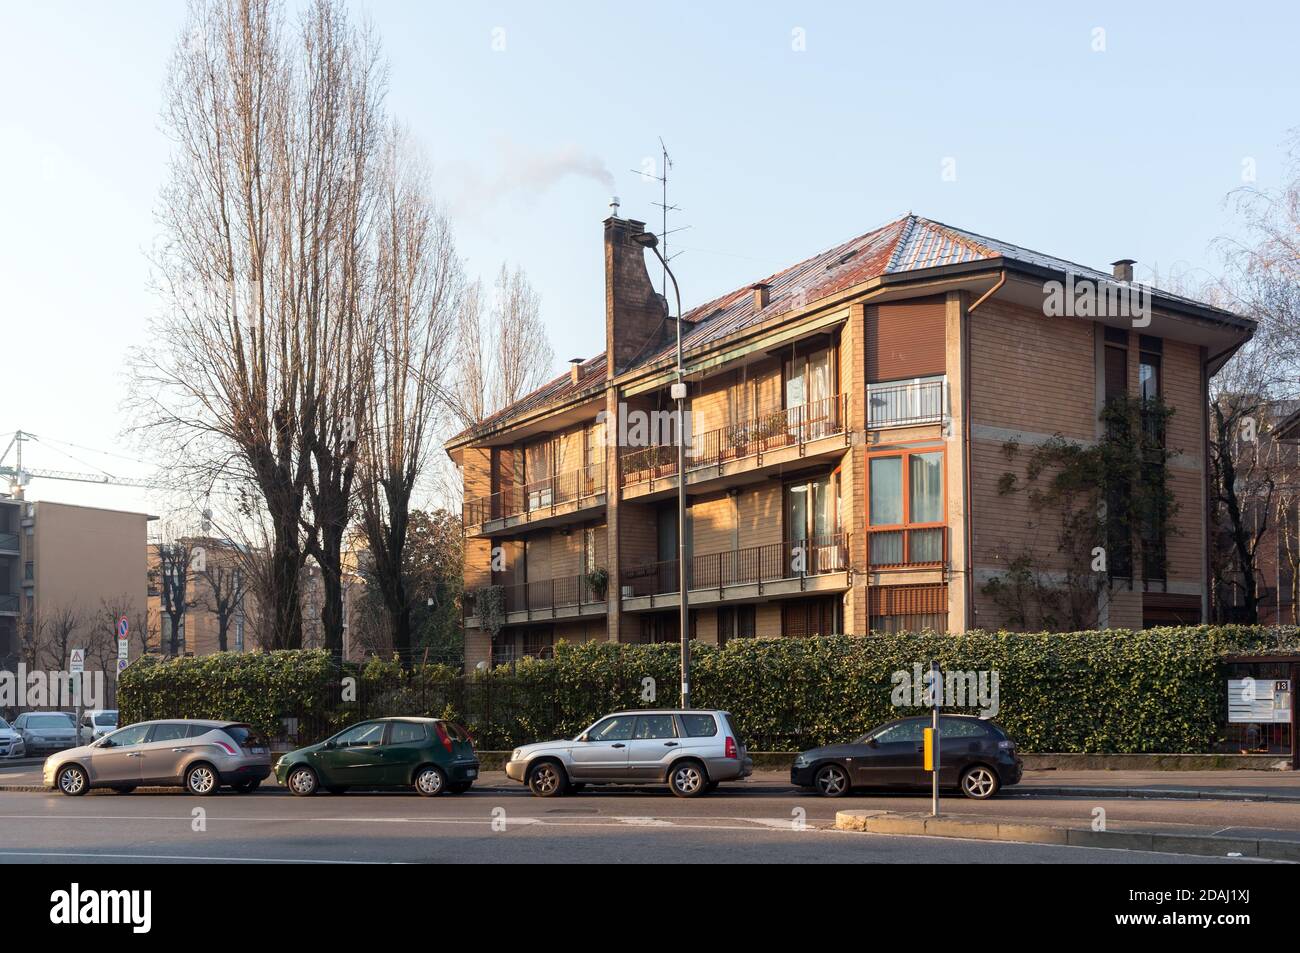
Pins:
<point x="957" y="365"/>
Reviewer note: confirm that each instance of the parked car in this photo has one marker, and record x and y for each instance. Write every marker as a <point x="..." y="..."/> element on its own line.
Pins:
<point x="199" y="756"/>
<point x="975" y="757"/>
<point x="11" y="742"/>
<point x="429" y="754"/>
<point x="95" y="723"/>
<point x="46" y="730"/>
<point x="690" y="751"/>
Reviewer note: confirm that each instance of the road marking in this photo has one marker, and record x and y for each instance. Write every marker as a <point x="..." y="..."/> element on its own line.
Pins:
<point x="645" y="821"/>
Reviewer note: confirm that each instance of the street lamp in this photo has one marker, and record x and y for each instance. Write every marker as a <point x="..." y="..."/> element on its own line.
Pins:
<point x="650" y="241"/>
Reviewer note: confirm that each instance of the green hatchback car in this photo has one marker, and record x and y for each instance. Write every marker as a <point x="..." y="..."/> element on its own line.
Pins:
<point x="429" y="754"/>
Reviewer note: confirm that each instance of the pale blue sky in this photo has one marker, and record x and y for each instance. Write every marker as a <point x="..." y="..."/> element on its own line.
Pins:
<point x="779" y="152"/>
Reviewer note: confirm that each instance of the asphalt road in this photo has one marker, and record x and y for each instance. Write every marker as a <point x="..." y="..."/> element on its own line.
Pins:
<point x="760" y="821"/>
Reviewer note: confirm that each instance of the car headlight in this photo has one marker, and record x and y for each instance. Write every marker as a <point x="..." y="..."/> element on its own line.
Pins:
<point x="800" y="761"/>
<point x="514" y="755"/>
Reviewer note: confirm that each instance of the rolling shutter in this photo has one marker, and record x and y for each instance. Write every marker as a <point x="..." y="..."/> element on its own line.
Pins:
<point x="905" y="339"/>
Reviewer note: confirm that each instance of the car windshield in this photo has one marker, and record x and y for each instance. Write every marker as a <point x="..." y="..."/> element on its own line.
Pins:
<point x="3" y="724"/>
<point x="49" y="722"/>
<point x="106" y="718"/>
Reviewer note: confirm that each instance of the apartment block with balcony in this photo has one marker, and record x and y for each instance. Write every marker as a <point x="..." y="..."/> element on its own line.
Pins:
<point x="849" y="419"/>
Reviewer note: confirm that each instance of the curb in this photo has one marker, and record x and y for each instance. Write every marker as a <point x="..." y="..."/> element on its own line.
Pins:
<point x="1182" y="794"/>
<point x="889" y="822"/>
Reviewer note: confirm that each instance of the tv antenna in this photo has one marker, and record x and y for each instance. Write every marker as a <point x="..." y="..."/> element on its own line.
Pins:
<point x="666" y="164"/>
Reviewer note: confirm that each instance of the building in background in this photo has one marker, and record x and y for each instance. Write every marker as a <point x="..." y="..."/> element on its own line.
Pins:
<point x="67" y="573"/>
<point x="855" y="425"/>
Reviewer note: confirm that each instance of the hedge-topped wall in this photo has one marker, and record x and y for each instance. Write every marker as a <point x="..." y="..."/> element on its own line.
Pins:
<point x="1116" y="691"/>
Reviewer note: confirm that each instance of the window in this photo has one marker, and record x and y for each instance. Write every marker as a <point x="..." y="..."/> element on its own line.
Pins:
<point x="906" y="508"/>
<point x="907" y="608"/>
<point x="133" y="735"/>
<point x="170" y="731"/>
<point x="407" y="732"/>
<point x="963" y="728"/>
<point x="614" y="728"/>
<point x="370" y="733"/>
<point x="810" y="509"/>
<point x="810" y="379"/>
<point x="537" y="473"/>
<point x="736" y="622"/>
<point x="1115" y="363"/>
<point x="539" y="643"/>
<point x="911" y="731"/>
<point x="589" y="549"/>
<point x="699" y="726"/>
<point x="804" y="617"/>
<point x="651" y="727"/>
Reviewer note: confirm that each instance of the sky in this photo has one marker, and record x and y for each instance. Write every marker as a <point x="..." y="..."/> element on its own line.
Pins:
<point x="1094" y="133"/>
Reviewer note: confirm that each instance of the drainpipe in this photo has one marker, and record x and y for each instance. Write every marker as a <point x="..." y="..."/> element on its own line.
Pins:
<point x="965" y="423"/>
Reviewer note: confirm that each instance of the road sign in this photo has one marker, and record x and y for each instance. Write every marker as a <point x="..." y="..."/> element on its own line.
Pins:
<point x="77" y="661"/>
<point x="121" y="664"/>
<point x="123" y="649"/>
<point x="123" y="628"/>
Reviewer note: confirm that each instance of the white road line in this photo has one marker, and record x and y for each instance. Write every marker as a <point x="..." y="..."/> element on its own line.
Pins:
<point x="233" y="860"/>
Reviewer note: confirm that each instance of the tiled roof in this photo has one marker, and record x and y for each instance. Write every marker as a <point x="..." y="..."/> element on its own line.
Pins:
<point x="906" y="245"/>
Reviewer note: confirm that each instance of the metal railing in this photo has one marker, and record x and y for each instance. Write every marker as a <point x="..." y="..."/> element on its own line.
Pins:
<point x="541" y="594"/>
<point x="9" y="542"/>
<point x="8" y="602"/>
<point x="537" y="496"/>
<point x="774" y="430"/>
<point x="904" y="403"/>
<point x="895" y="548"/>
<point x="770" y="563"/>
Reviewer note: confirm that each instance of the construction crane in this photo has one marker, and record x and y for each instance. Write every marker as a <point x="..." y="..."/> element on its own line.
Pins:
<point x="19" y="476"/>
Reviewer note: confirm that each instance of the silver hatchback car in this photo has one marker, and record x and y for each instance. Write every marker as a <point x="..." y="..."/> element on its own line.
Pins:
<point x="199" y="756"/>
<point x="690" y="751"/>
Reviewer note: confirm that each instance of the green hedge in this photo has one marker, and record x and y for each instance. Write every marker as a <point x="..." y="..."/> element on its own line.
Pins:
<point x="1115" y="691"/>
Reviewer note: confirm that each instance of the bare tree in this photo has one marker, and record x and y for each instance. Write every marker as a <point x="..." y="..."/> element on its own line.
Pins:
<point x="418" y="287"/>
<point x="62" y="632"/>
<point x="220" y="590"/>
<point x="169" y="577"/>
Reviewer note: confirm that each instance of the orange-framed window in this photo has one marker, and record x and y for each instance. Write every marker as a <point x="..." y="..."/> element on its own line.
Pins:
<point x="907" y="507"/>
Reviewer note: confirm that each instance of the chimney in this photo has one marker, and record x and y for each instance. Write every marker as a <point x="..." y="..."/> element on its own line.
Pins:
<point x="1123" y="269"/>
<point x="635" y="314"/>
<point x="575" y="369"/>
<point x="760" y="295"/>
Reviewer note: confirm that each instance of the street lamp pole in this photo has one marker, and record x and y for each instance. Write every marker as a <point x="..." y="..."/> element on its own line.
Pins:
<point x="649" y="240"/>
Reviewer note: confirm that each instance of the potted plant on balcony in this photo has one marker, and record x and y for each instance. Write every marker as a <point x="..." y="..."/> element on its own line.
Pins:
<point x="490" y="607"/>
<point x="598" y="582"/>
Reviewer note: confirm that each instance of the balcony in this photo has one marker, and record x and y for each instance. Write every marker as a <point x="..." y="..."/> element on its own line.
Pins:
<point x="562" y="498"/>
<point x="776" y="437"/>
<point x="912" y="547"/>
<point x="566" y="597"/>
<point x="820" y="564"/>
<point x="907" y="403"/>
<point x="9" y="543"/>
<point x="8" y="604"/>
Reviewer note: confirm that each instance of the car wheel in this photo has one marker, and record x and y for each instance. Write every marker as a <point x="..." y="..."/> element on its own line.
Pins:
<point x="246" y="787"/>
<point x="302" y="782"/>
<point x="546" y="779"/>
<point x="201" y="779"/>
<point x="430" y="781"/>
<point x="73" y="781"/>
<point x="687" y="779"/>
<point x="125" y="789"/>
<point x="979" y="783"/>
<point x="831" y="780"/>
<point x="460" y="787"/>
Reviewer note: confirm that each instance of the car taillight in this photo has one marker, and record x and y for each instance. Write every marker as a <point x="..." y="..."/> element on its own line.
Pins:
<point x="227" y="748"/>
<point x="442" y="735"/>
<point x="1007" y="745"/>
<point x="731" y="748"/>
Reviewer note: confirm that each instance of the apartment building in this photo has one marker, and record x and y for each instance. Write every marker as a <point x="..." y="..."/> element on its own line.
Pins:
<point x="68" y="566"/>
<point x="851" y="419"/>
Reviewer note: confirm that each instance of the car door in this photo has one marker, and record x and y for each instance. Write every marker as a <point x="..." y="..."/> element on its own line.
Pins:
<point x="602" y="755"/>
<point x="165" y="753"/>
<point x="654" y="742"/>
<point x="406" y="746"/>
<point x="354" y="756"/>
<point x="118" y="758"/>
<point x="961" y="742"/>
<point x="893" y="755"/>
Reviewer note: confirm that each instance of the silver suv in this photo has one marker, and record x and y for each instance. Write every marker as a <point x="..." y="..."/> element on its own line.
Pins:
<point x="199" y="756"/>
<point x="690" y="751"/>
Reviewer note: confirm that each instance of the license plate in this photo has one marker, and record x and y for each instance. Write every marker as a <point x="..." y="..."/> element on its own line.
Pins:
<point x="472" y="773"/>
<point x="257" y="750"/>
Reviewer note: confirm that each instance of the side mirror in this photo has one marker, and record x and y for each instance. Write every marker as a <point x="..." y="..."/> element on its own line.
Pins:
<point x="583" y="737"/>
<point x="871" y="743"/>
<point x="331" y="744"/>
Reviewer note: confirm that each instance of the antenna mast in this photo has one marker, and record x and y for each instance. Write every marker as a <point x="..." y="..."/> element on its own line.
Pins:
<point x="665" y="207"/>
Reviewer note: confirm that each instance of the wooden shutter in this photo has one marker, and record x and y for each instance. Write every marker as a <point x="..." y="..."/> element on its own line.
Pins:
<point x="905" y="339"/>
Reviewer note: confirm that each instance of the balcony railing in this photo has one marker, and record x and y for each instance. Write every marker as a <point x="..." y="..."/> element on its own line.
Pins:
<point x="538" y="496"/>
<point x="905" y="403"/>
<point x="9" y="542"/>
<point x="907" y="547"/>
<point x="8" y="602"/>
<point x="775" y="430"/>
<point x="541" y="594"/>
<point x="770" y="563"/>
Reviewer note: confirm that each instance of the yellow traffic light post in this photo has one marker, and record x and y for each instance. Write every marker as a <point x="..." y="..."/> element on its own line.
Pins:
<point x="932" y="740"/>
